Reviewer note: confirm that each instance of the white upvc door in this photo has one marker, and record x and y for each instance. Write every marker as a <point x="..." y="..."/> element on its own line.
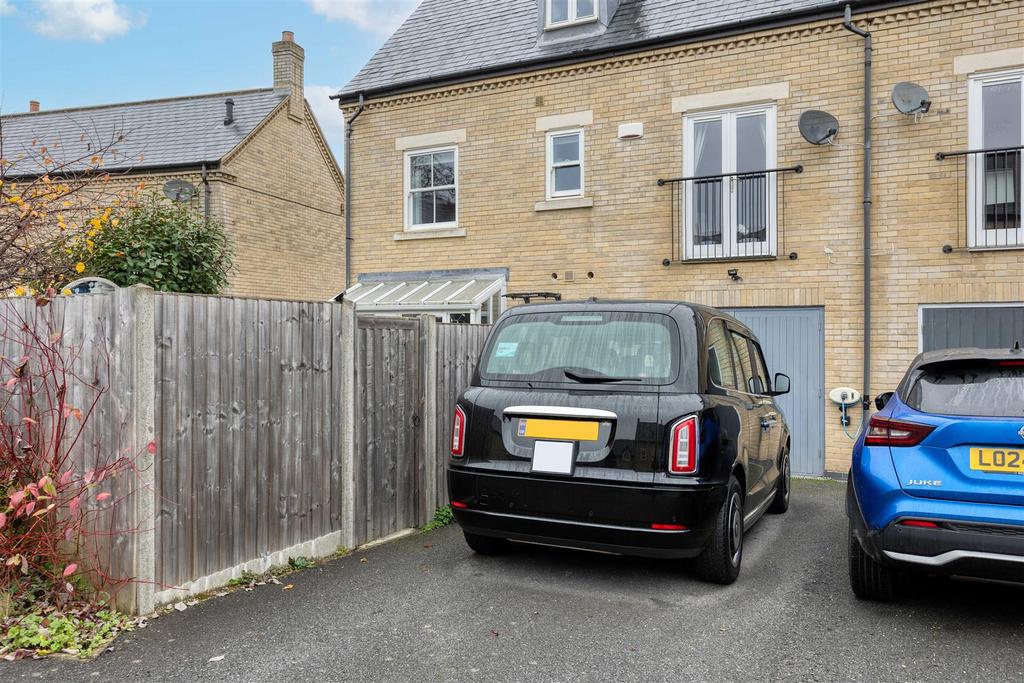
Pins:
<point x="994" y="180"/>
<point x="728" y="215"/>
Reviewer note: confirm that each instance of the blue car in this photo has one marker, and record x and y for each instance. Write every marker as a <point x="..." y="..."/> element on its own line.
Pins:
<point x="937" y="483"/>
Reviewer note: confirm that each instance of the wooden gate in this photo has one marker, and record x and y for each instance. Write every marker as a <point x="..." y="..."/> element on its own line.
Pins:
<point x="389" y="464"/>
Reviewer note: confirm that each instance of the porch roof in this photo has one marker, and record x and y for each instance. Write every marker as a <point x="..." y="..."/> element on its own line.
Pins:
<point x="424" y="293"/>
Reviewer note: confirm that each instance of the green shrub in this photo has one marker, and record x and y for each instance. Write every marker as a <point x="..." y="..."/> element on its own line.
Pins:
<point x="168" y="246"/>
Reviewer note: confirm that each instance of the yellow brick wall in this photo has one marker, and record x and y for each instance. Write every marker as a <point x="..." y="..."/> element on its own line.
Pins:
<point x="280" y="197"/>
<point x="625" y="236"/>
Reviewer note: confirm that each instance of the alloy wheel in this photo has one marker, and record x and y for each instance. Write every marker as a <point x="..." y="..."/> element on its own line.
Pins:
<point x="735" y="529"/>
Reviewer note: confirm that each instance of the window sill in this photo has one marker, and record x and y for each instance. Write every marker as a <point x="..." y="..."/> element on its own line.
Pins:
<point x="567" y="203"/>
<point x="429" y="234"/>
<point x="570" y="23"/>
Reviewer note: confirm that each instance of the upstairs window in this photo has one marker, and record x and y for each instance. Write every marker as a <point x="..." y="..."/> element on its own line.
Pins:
<point x="431" y="188"/>
<point x="994" y="170"/>
<point x="729" y="197"/>
<point x="565" y="12"/>
<point x="565" y="164"/>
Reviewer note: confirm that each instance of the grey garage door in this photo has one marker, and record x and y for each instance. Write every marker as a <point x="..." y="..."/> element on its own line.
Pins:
<point x="987" y="327"/>
<point x="794" y="343"/>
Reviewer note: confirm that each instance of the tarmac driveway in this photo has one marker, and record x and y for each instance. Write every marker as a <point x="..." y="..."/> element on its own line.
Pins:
<point x="425" y="608"/>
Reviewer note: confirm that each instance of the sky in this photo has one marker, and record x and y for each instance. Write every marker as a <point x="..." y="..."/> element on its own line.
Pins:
<point x="72" y="53"/>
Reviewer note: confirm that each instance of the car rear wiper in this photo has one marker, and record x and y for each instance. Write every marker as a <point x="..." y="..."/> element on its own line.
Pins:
<point x="595" y="378"/>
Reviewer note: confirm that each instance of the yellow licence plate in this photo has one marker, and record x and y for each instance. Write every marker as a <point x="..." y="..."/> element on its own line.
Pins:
<point x="566" y="430"/>
<point x="998" y="460"/>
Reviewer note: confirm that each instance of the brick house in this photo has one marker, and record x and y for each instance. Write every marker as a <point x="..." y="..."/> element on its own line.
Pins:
<point x="529" y="137"/>
<point x="255" y="160"/>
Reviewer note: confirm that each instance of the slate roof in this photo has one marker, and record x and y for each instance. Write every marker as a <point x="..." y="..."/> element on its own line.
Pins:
<point x="446" y="39"/>
<point x="183" y="131"/>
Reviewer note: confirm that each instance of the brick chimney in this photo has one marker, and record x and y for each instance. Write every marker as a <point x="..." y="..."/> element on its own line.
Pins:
<point x="33" y="106"/>
<point x="288" y="72"/>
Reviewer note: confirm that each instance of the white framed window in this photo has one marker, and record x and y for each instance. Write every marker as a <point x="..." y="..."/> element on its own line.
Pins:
<point x="566" y="12"/>
<point x="565" y="163"/>
<point x="730" y="200"/>
<point x="996" y="132"/>
<point x="432" y="188"/>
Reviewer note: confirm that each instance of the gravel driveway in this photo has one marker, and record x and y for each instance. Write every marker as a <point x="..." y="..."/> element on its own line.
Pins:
<point x="425" y="608"/>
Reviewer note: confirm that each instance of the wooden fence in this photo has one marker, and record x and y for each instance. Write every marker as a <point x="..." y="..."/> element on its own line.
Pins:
<point x="99" y="339"/>
<point x="281" y="428"/>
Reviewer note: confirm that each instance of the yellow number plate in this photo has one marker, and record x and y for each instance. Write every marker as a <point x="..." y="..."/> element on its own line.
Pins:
<point x="998" y="460"/>
<point x="565" y="430"/>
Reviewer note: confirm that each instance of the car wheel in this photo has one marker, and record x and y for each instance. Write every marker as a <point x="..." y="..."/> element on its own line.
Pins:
<point x="485" y="545"/>
<point x="869" y="579"/>
<point x="721" y="559"/>
<point x="782" y="488"/>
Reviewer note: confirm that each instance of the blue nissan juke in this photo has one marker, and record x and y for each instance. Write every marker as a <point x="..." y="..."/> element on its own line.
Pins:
<point x="937" y="483"/>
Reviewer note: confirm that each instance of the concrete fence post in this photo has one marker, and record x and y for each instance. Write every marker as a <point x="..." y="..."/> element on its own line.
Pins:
<point x="429" y="334"/>
<point x="349" y="417"/>
<point x="143" y="432"/>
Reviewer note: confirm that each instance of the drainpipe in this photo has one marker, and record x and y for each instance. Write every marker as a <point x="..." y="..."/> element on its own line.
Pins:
<point x="348" y="190"/>
<point x="206" y="195"/>
<point x="868" y="57"/>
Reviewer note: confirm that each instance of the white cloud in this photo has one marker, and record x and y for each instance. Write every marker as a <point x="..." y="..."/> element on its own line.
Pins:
<point x="6" y="8"/>
<point x="379" y="16"/>
<point x="94" y="20"/>
<point x="328" y="116"/>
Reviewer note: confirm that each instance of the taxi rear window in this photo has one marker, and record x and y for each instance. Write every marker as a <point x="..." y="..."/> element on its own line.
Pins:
<point x="584" y="347"/>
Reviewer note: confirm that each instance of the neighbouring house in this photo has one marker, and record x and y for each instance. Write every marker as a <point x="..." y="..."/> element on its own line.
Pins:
<point x="255" y="160"/>
<point x="652" y="149"/>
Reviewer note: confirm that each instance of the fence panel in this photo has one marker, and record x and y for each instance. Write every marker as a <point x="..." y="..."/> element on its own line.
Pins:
<point x="246" y="431"/>
<point x="97" y="338"/>
<point x="389" y="450"/>
<point x="458" y="350"/>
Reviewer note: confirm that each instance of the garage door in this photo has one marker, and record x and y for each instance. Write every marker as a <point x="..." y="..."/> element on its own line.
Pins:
<point x="794" y="343"/>
<point x="987" y="327"/>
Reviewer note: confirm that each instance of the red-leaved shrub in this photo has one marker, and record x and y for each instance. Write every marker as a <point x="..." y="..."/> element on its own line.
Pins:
<point x="55" y="484"/>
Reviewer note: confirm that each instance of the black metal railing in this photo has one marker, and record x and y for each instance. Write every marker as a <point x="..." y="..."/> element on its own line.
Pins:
<point x="989" y="200"/>
<point x="728" y="215"/>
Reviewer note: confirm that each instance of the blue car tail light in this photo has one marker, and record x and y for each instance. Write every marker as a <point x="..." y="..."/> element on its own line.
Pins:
<point x="885" y="431"/>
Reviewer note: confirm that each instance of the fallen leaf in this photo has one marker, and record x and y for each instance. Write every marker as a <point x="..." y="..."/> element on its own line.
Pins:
<point x="428" y="545"/>
<point x="288" y="587"/>
<point x="363" y="560"/>
<point x="217" y="658"/>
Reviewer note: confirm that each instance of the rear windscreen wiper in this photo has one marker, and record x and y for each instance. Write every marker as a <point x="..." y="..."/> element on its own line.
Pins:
<point x="596" y="378"/>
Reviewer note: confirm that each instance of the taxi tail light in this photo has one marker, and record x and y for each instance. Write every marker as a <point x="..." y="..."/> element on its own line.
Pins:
<point x="458" y="432"/>
<point x="683" y="446"/>
<point x="883" y="431"/>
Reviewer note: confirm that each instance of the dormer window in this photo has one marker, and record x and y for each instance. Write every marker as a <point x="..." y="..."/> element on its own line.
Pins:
<point x="568" y="12"/>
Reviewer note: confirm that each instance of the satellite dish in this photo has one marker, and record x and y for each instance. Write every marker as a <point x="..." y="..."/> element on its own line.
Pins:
<point x="910" y="98"/>
<point x="179" y="190"/>
<point x="818" y="127"/>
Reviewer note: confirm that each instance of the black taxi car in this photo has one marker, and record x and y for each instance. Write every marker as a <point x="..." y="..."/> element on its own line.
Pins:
<point x="639" y="428"/>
